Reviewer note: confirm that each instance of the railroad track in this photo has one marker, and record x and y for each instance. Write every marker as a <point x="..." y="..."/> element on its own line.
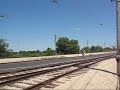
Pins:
<point x="39" y="77"/>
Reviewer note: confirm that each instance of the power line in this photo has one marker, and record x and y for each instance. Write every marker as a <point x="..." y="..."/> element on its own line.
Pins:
<point x="28" y="41"/>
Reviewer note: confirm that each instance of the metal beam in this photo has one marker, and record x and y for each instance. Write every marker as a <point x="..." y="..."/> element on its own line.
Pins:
<point x="118" y="38"/>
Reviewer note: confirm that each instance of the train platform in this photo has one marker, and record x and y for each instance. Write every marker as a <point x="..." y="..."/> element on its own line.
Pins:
<point x="100" y="77"/>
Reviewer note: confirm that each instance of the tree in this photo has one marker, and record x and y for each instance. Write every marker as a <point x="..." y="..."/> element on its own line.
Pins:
<point x="113" y="48"/>
<point x="99" y="49"/>
<point x="3" y="48"/>
<point x="108" y="49"/>
<point x="30" y="53"/>
<point x="48" y="52"/>
<point x="74" y="47"/>
<point x="86" y="49"/>
<point x="96" y="49"/>
<point x="92" y="49"/>
<point x="66" y="46"/>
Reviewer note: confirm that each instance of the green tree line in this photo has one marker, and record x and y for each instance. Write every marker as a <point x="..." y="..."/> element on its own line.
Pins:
<point x="64" y="46"/>
<point x="98" y="48"/>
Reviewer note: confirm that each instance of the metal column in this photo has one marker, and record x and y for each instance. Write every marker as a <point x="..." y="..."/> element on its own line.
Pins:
<point x="55" y="44"/>
<point x="118" y="38"/>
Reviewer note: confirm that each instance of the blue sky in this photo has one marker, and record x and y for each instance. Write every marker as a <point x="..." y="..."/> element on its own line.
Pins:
<point x="35" y="22"/>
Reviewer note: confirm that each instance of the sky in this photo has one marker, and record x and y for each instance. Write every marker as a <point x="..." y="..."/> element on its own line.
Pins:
<point x="32" y="24"/>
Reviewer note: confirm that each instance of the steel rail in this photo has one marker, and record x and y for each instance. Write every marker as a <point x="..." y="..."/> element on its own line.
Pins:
<point x="49" y="81"/>
<point x="51" y="65"/>
<point x="80" y="62"/>
<point x="15" y="78"/>
<point x="43" y="72"/>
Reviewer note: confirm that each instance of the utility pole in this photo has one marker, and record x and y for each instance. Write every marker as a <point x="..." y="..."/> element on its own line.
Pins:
<point x="118" y="38"/>
<point x="55" y="44"/>
<point x="18" y="47"/>
<point x="105" y="46"/>
<point x="87" y="45"/>
<point x="115" y="44"/>
<point x="110" y="45"/>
